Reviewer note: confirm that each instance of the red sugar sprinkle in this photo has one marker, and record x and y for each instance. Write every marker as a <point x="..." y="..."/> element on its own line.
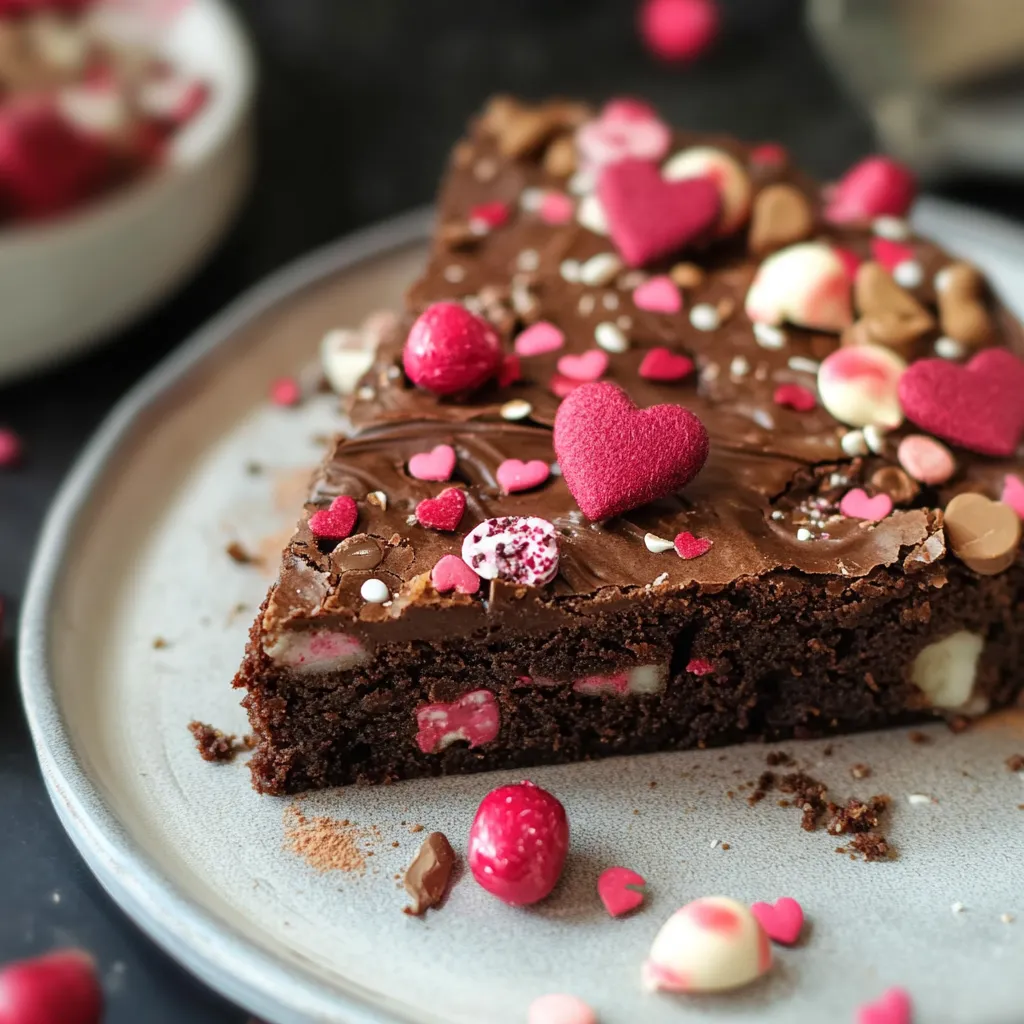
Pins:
<point x="769" y="154"/>
<point x="489" y="215"/>
<point x="285" y="391"/>
<point x="699" y="667"/>
<point x="688" y="546"/>
<point x="795" y="396"/>
<point x="10" y="448"/>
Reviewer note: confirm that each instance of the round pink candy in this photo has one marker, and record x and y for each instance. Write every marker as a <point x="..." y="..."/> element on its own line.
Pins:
<point x="560" y="1009"/>
<point x="925" y="459"/>
<point x="449" y="350"/>
<point x="678" y="30"/>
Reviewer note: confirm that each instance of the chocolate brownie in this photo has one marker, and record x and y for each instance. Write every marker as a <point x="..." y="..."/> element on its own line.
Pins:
<point x="652" y="461"/>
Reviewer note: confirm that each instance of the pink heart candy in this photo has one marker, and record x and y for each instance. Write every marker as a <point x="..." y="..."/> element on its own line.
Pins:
<point x="658" y="295"/>
<point x="438" y="464"/>
<point x="443" y="512"/>
<point x="649" y="217"/>
<point x="795" y="397"/>
<point x="585" y="367"/>
<point x="925" y="459"/>
<point x="891" y="254"/>
<point x="336" y="522"/>
<point x="538" y="339"/>
<point x="614" y="888"/>
<point x="558" y="1008"/>
<point x="556" y="208"/>
<point x="688" y="546"/>
<point x="451" y="573"/>
<point x="514" y="475"/>
<point x="1013" y="494"/>
<point x="857" y="505"/>
<point x="562" y="387"/>
<point x="893" y="1007"/>
<point x="663" y="365"/>
<point x="782" y="920"/>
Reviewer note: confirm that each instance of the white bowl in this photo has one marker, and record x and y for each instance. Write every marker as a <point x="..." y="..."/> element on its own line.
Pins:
<point x="68" y="283"/>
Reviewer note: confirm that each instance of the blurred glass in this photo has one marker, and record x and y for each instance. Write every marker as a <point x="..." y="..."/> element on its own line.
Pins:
<point x="943" y="80"/>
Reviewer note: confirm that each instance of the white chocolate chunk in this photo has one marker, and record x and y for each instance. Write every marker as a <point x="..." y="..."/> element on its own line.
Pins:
<point x="945" y="671"/>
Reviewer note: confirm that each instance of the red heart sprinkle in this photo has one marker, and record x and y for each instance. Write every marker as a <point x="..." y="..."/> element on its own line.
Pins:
<point x="687" y="546"/>
<point x="452" y="573"/>
<point x="857" y="505"/>
<point x="614" y="889"/>
<point x="336" y="522"/>
<point x="782" y="920"/>
<point x="893" y="1007"/>
<point x="796" y="397"/>
<point x="977" y="406"/>
<point x="285" y="391"/>
<point x="437" y="464"/>
<point x="588" y="366"/>
<point x="443" y="512"/>
<point x="663" y="365"/>
<point x="488" y="216"/>
<point x="891" y="254"/>
<point x="615" y="457"/>
<point x="649" y="217"/>
<point x="514" y="475"/>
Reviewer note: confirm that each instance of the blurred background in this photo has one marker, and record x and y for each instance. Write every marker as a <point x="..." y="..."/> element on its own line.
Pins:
<point x="357" y="105"/>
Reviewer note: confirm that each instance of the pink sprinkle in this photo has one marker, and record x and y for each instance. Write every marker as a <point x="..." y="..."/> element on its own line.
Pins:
<point x="558" y="1008"/>
<point x="562" y="387"/>
<point x="1013" y="494"/>
<point x="488" y="216"/>
<point x="658" y="295"/>
<point x="699" y="667"/>
<point x="617" y="888"/>
<point x="891" y="254"/>
<point x="556" y="208"/>
<point x="587" y="366"/>
<point x="857" y="505"/>
<point x="511" y="371"/>
<point x="796" y="397"/>
<point x="515" y="475"/>
<point x="10" y="448"/>
<point x="539" y="339"/>
<point x="769" y="154"/>
<point x="678" y="30"/>
<point x="926" y="459"/>
<point x="783" y="920"/>
<point x="688" y="546"/>
<point x="285" y="391"/>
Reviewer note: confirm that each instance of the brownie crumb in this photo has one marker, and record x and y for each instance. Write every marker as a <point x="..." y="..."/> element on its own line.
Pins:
<point x="213" y="744"/>
<point x="871" y="846"/>
<point x="855" y="816"/>
<point x="827" y="752"/>
<point x="860" y="771"/>
<point x="808" y="794"/>
<point x="920" y="738"/>
<point x="726" y="846"/>
<point x="779" y="759"/>
<point x="415" y="828"/>
<point x="326" y="844"/>
<point x="159" y="643"/>
<point x="1015" y="763"/>
<point x="765" y="784"/>
<point x="237" y="553"/>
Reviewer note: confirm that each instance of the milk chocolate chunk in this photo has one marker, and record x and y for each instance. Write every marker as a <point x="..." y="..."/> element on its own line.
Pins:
<point x="426" y="878"/>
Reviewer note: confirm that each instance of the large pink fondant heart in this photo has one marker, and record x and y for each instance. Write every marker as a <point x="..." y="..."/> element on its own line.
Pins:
<point x="649" y="217"/>
<point x="615" y="457"/>
<point x="979" y="406"/>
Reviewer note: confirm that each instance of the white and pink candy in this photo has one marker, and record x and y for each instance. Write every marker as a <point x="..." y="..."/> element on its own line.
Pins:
<point x="711" y="945"/>
<point x="859" y="386"/>
<point x="518" y="549"/>
<point x="806" y="285"/>
<point x="474" y="718"/>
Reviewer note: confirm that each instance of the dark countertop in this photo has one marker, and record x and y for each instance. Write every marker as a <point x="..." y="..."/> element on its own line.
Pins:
<point x="359" y="103"/>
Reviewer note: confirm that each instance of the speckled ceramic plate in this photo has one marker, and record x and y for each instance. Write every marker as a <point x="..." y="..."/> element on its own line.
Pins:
<point x="134" y="550"/>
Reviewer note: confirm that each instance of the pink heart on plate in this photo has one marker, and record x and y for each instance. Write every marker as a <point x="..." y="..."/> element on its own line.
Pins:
<point x="336" y="522"/>
<point x="451" y="573"/>
<point x="615" y="887"/>
<point x="782" y="920"/>
<point x="443" y="512"/>
<point x="1013" y="494"/>
<point x="658" y="295"/>
<point x="585" y="367"/>
<point x="514" y="475"/>
<point x="438" y="464"/>
<point x="649" y="217"/>
<point x="892" y="1007"/>
<point x="977" y="406"/>
<point x="616" y="457"/>
<point x="538" y="339"/>
<point x="857" y="505"/>
<point x="664" y="365"/>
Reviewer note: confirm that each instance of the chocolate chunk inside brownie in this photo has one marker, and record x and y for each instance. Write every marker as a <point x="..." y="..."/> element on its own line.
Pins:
<point x="671" y="447"/>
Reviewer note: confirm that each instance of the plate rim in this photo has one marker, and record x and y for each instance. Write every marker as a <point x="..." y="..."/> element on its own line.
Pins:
<point x="223" y="958"/>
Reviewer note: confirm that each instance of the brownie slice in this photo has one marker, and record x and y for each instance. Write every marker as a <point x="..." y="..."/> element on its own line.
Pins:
<point x="747" y="605"/>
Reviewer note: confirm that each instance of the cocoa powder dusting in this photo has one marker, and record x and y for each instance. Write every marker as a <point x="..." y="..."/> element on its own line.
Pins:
<point x="326" y="844"/>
